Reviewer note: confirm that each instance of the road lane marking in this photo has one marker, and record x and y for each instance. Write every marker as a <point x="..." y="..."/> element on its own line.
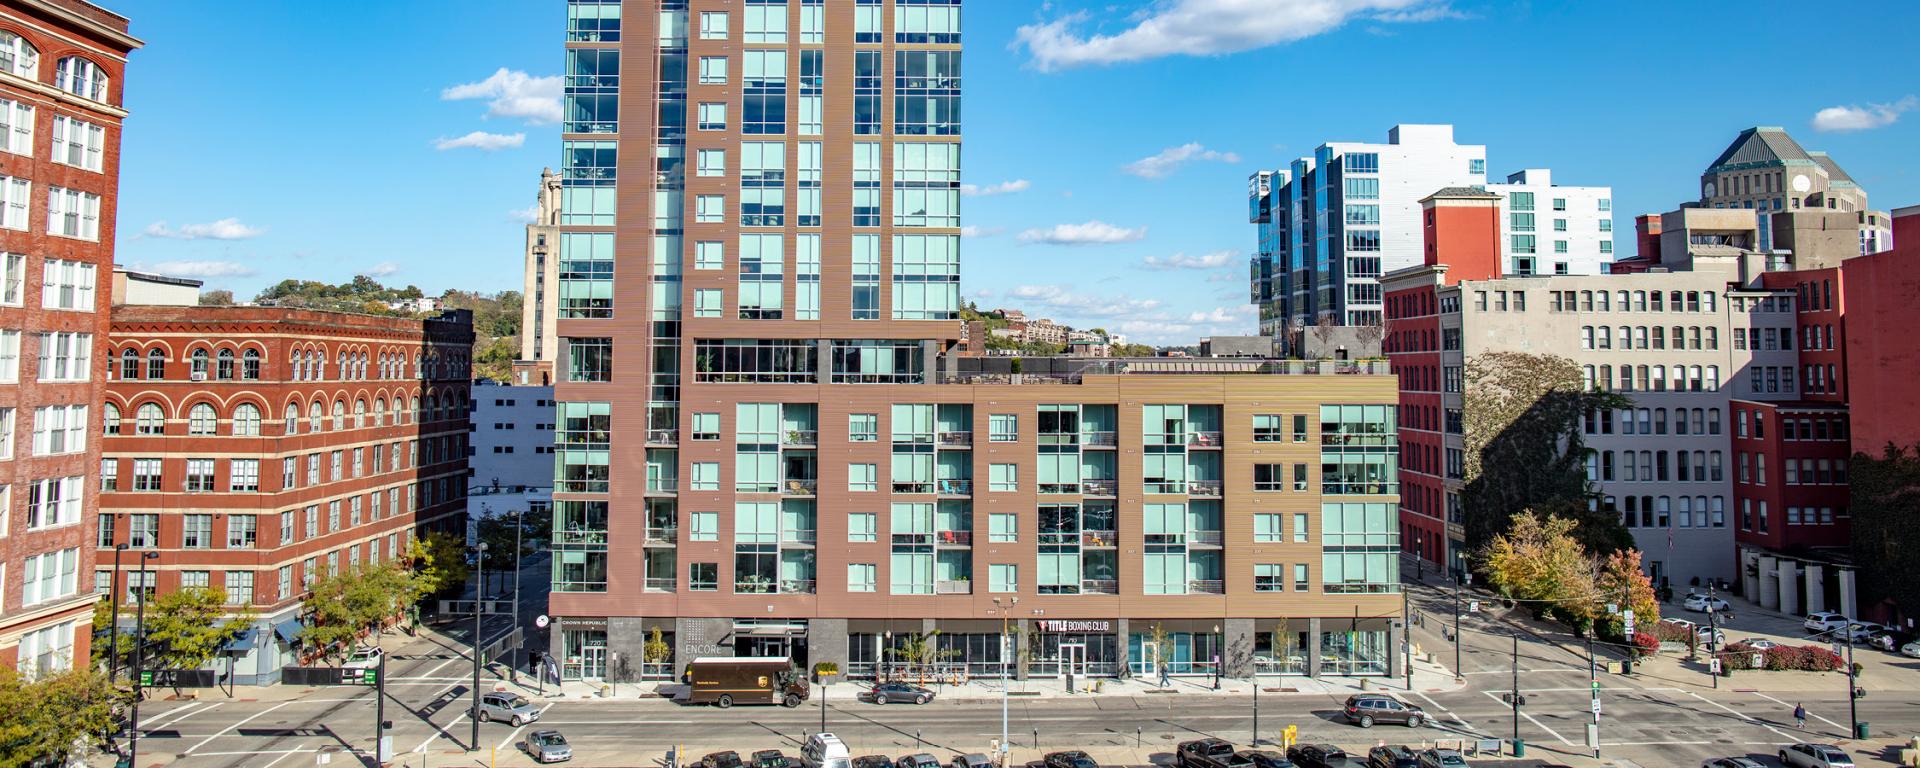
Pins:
<point x="176" y="714"/>
<point x="1746" y="717"/>
<point x="439" y="733"/>
<point x="223" y="731"/>
<point x="1530" y="718"/>
<point x="516" y="732"/>
<point x="1443" y="708"/>
<point x="1810" y="712"/>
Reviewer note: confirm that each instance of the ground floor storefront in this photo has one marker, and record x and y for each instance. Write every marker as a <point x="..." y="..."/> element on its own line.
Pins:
<point x="955" y="650"/>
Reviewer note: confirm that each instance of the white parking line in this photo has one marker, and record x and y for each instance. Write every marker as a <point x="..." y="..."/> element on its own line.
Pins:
<point x="1790" y="709"/>
<point x="440" y="733"/>
<point x="167" y="717"/>
<point x="1744" y="716"/>
<point x="1531" y="719"/>
<point x="230" y="728"/>
<point x="516" y="732"/>
<point x="1443" y="708"/>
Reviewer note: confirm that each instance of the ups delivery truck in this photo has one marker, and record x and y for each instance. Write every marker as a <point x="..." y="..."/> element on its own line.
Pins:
<point x="724" y="681"/>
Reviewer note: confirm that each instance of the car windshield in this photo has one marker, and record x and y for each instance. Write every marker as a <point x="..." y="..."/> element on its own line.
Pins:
<point x="514" y="702"/>
<point x="549" y="740"/>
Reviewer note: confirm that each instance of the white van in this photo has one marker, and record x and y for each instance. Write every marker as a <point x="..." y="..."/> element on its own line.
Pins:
<point x="825" y="750"/>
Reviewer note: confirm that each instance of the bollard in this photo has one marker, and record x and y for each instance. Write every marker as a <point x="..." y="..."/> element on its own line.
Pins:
<point x="916" y="740"/>
<point x="1139" y="741"/>
<point x="1036" y="738"/>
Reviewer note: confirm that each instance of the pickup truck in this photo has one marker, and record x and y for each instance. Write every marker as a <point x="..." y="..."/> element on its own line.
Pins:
<point x="1209" y="753"/>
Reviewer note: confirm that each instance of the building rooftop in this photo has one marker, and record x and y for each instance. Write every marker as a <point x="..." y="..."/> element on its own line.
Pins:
<point x="1470" y="193"/>
<point x="1761" y="145"/>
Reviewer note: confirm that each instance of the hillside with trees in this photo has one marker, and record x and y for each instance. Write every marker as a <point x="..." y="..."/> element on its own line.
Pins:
<point x="496" y="316"/>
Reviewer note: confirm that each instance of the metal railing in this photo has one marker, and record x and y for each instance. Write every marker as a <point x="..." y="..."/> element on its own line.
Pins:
<point x="1206" y="587"/>
<point x="580" y="586"/>
<point x="663" y="436"/>
<point x="668" y="534"/>
<point x="660" y="486"/>
<point x="1203" y="488"/>
<point x="1059" y="487"/>
<point x="1100" y="487"/>
<point x="660" y="585"/>
<point x="1103" y="439"/>
<point x="956" y="439"/>
<point x="913" y="487"/>
<point x="957" y="587"/>
<point x="796" y="586"/>
<point x="956" y="538"/>
<point x="801" y="437"/>
<point x="797" y="487"/>
<point x="754" y="587"/>
<point x="1204" y="439"/>
<point x="575" y="538"/>
<point x="1212" y="538"/>
<point x="1099" y="538"/>
<point x="956" y="487"/>
<point x="798" y="536"/>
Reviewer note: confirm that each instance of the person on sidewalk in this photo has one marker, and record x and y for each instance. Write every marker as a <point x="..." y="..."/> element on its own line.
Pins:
<point x="1166" y="675"/>
<point x="1800" y="716"/>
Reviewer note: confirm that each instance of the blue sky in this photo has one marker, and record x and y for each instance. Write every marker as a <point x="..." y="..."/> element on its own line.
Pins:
<point x="1109" y="141"/>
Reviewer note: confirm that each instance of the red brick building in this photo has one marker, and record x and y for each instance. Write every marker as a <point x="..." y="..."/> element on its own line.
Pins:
<point x="1882" y="357"/>
<point x="257" y="448"/>
<point x="62" y="69"/>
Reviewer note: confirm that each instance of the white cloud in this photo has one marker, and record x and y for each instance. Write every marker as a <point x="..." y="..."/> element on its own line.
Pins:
<point x="1205" y="28"/>
<point x="973" y="231"/>
<point x="1214" y="260"/>
<point x="1221" y="315"/>
<point x="527" y="215"/>
<point x="224" y="229"/>
<point x="1002" y="188"/>
<point x="202" y="269"/>
<point x="1170" y="159"/>
<point x="1090" y="233"/>
<point x="382" y="269"/>
<point x="513" y="93"/>
<point x="1857" y="118"/>
<point x="1057" y="298"/>
<point x="491" y="142"/>
<point x="1436" y="12"/>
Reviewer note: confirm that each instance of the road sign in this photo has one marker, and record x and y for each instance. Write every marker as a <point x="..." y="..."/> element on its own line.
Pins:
<point x="360" y="676"/>
<point x="1596" y="705"/>
<point x="1759" y="661"/>
<point x="1714" y="664"/>
<point x="541" y="621"/>
<point x="146" y="678"/>
<point x="1612" y="608"/>
<point x="1628" y="615"/>
<point x="1473" y="606"/>
<point x="1596" y="686"/>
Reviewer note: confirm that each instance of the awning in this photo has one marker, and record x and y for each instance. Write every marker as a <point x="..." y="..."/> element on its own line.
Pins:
<point x="241" y="643"/>
<point x="289" y="631"/>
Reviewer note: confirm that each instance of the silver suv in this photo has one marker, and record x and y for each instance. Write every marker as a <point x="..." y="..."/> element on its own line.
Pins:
<point x="507" y="707"/>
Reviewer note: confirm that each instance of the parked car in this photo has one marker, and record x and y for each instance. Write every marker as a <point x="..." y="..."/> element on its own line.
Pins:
<point x="1442" y="758"/>
<point x="772" y="758"/>
<point x="1732" y="762"/>
<point x="1202" y="753"/>
<point x="547" y="747"/>
<point x="1260" y="758"/>
<point x="727" y="759"/>
<point x="1319" y="756"/>
<point x="887" y="693"/>
<point x="1366" y="709"/>
<point x="1070" y="759"/>
<point x="507" y="707"/>
<point x="1392" y="756"/>
<point x="917" y="760"/>
<point x="824" y="750"/>
<point x="363" y="658"/>
<point x="1719" y="636"/>
<point x="1702" y="603"/>
<point x="873" y="761"/>
<point x="1759" y="643"/>
<point x="1887" y="639"/>
<point x="1825" y="621"/>
<point x="1860" y="631"/>
<point x="971" y="760"/>
<point x="1815" y="756"/>
<point x="1911" y="649"/>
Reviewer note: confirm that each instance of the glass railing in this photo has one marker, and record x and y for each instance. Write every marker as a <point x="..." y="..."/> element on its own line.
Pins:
<point x="663" y="436"/>
<point x="663" y="534"/>
<point x="1204" y="488"/>
<point x="956" y="487"/>
<point x="956" y="538"/>
<point x="580" y="586"/>
<point x="1214" y="538"/>
<point x="1100" y="439"/>
<point x="801" y="437"/>
<point x="1206" y="586"/>
<point x="801" y="487"/>
<point x="577" y="538"/>
<point x="957" y="587"/>
<point x="1100" y="487"/>
<point x="663" y="486"/>
<point x="1100" y="586"/>
<point x="1059" y="487"/>
<point x="754" y="587"/>
<point x="956" y="439"/>
<point x="1203" y="439"/>
<point x="798" y="536"/>
<point x="912" y="487"/>
<point x="660" y="585"/>
<point x="1099" y="538"/>
<point x="796" y="586"/>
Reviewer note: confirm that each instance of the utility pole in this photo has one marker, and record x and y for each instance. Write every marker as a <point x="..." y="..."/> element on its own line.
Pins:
<point x="1406" y="637"/>
<point x="113" y="637"/>
<point x="1516" y="691"/>
<point x="519" y="523"/>
<point x="1007" y="648"/>
<point x="139" y="660"/>
<point x="1593" y="678"/>
<point x="1853" y="690"/>
<point x="380" y="713"/>
<point x="479" y="592"/>
<point x="1713" y="641"/>
<point x="1458" y="672"/>
<point x="1256" y="706"/>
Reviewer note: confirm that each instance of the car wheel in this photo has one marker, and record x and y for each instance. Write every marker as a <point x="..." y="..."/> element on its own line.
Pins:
<point x="1413" y="721"/>
<point x="879" y="698"/>
<point x="921" y="700"/>
<point x="725" y="701"/>
<point x="790" y="701"/>
<point x="518" y="721"/>
<point x="1783" y="759"/>
<point x="1366" y="721"/>
<point x="484" y="717"/>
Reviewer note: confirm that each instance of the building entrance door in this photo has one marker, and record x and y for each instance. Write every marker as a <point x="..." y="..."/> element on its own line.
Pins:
<point x="1073" y="659"/>
<point x="593" y="662"/>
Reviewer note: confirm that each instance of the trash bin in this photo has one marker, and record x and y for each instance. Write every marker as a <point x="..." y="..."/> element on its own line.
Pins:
<point x="1860" y="730"/>
<point x="1519" y="747"/>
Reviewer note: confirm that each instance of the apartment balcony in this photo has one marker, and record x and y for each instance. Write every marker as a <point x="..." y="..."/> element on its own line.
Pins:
<point x="957" y="587"/>
<point x="663" y="534"/>
<point x="796" y="586"/>
<point x="800" y="437"/>
<point x="579" y="538"/>
<point x="1100" y="586"/>
<point x="955" y="538"/>
<point x="956" y="439"/>
<point x="755" y="587"/>
<point x="1059" y="487"/>
<point x="663" y="436"/>
<point x="1104" y="539"/>
<point x="807" y="536"/>
<point x="1107" y="439"/>
<point x="1206" y="587"/>
<point x="1204" y="488"/>
<point x="1107" y="488"/>
<point x="663" y="487"/>
<point x="660" y="585"/>
<point x="1204" y="439"/>
<point x="1206" y="538"/>
<point x="795" y="487"/>
<point x="913" y="487"/>
<point x="956" y="487"/>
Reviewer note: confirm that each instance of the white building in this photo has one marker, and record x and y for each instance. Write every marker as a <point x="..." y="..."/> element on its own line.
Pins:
<point x="1553" y="230"/>
<point x="512" y="437"/>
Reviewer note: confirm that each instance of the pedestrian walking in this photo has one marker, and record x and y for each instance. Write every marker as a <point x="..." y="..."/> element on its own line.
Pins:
<point x="1800" y="716"/>
<point x="1166" y="675"/>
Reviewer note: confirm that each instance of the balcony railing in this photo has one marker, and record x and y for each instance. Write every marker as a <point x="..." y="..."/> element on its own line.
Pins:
<point x="796" y="586"/>
<point x="578" y="538"/>
<point x="1206" y="587"/>
<point x="1099" y="538"/>
<point x="663" y="486"/>
<point x="663" y="534"/>
<point x="754" y="587"/>
<point x="956" y="487"/>
<point x="1203" y="439"/>
<point x="660" y="585"/>
<point x="797" y="487"/>
<point x="1100" y="586"/>
<point x="1212" y="538"/>
<point x="577" y="586"/>
<point x="958" y="587"/>
<point x="1106" y="439"/>
<point x="801" y="437"/>
<point x="956" y="439"/>
<point x="913" y="487"/>
<point x="798" y="536"/>
<point x="1203" y="488"/>
<point x="1166" y="486"/>
<point x="1100" y="487"/>
<point x="663" y="436"/>
<point x="1059" y="487"/>
<point x="956" y="538"/>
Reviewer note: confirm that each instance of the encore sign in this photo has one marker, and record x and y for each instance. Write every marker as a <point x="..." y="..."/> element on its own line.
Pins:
<point x="1063" y="625"/>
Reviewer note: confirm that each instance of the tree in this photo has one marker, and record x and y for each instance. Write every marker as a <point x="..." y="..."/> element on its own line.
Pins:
<point x="344" y="605"/>
<point x="1539" y="562"/>
<point x="656" y="650"/>
<point x="187" y="627"/>
<point x="439" y="564"/>
<point x="920" y="651"/>
<point x="55" y="718"/>
<point x="1520" y="420"/>
<point x="1629" y="588"/>
<point x="217" y="298"/>
<point x="1323" y="330"/>
<point x="1885" y="494"/>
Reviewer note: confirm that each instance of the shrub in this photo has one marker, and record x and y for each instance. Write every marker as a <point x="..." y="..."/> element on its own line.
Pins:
<point x="1645" y="644"/>
<point x="1806" y="658"/>
<point x="1672" y="633"/>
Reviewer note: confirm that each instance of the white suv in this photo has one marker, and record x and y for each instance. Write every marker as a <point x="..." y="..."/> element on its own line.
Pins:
<point x="1825" y="621"/>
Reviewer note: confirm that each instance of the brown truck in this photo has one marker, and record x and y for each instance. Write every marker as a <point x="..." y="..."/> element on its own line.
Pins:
<point x="724" y="681"/>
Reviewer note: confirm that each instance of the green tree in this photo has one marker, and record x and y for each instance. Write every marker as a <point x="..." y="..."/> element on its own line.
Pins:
<point x="439" y="563"/>
<point x="345" y="605"/>
<point x="1524" y="452"/>
<point x="1885" y="494"/>
<point x="186" y="628"/>
<point x="656" y="650"/>
<point x="217" y="298"/>
<point x="920" y="651"/>
<point x="53" y="719"/>
<point x="502" y="532"/>
<point x="1538" y="561"/>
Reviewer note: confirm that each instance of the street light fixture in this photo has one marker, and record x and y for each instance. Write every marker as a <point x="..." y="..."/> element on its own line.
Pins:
<point x="479" y="593"/>
<point x="139" y="659"/>
<point x="1006" y="680"/>
<point x="1420" y="555"/>
<point x="113" y="635"/>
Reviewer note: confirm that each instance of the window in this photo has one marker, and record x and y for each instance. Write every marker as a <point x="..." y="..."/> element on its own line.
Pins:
<point x="706" y="526"/>
<point x="46" y="651"/>
<point x="1003" y="428"/>
<point x="705" y="477"/>
<point x="66" y="357"/>
<point x="1003" y="577"/>
<point x="239" y="587"/>
<point x="1003" y="528"/>
<point x="712" y="116"/>
<point x="713" y="70"/>
<point x="146" y="474"/>
<point x="713" y="25"/>
<point x="863" y="428"/>
<point x="16" y="126"/>
<point x="196" y="531"/>
<point x="19" y="57"/>
<point x="143" y="531"/>
<point x="73" y="213"/>
<point x="243" y="475"/>
<point x="17" y="193"/>
<point x="67" y="285"/>
<point x="14" y="294"/>
<point x="57" y="429"/>
<point x="1269" y="477"/>
<point x="1003" y="478"/>
<point x="863" y="477"/>
<point x="1269" y="577"/>
<point x="709" y="209"/>
<point x="1267" y="528"/>
<point x="862" y="577"/>
<point x="53" y="501"/>
<point x="1268" y="428"/>
<point x="109" y="478"/>
<point x="76" y="143"/>
<point x="81" y="77"/>
<point x="706" y="426"/>
<point x="1300" y="528"/>
<point x="708" y="302"/>
<point x="49" y="577"/>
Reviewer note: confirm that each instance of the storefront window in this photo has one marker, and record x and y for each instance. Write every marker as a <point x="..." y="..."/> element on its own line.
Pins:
<point x="1185" y="653"/>
<point x="583" y="654"/>
<point x="1353" y="652"/>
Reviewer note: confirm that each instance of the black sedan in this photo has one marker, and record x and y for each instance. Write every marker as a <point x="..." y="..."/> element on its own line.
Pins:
<point x="887" y="693"/>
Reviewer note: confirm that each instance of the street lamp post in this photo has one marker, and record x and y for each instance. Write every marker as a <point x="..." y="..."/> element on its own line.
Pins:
<point x="479" y="592"/>
<point x="113" y="635"/>
<point x="1006" y="679"/>
<point x="1221" y="639"/>
<point x="1420" y="555"/>
<point x="1713" y="640"/>
<point x="139" y="659"/>
<point x="1516" y="691"/>
<point x="1853" y="689"/>
<point x="1458" y="673"/>
<point x="519" y="524"/>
